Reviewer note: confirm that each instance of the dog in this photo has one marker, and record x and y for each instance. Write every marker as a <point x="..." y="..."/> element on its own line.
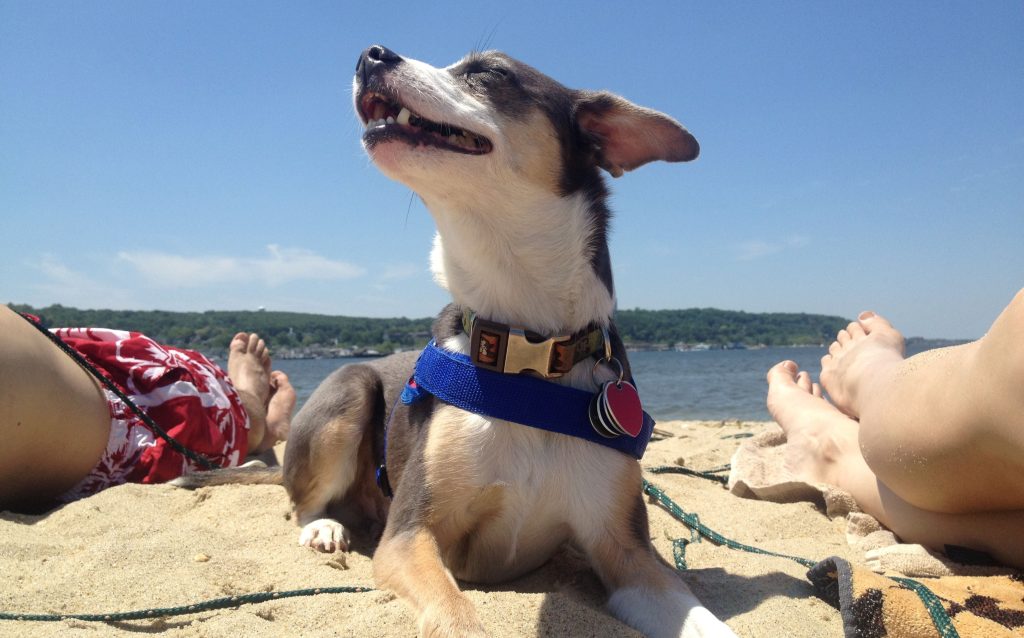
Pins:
<point x="508" y="162"/>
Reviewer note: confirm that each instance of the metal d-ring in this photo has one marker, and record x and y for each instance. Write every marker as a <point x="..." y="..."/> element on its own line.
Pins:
<point x="610" y="360"/>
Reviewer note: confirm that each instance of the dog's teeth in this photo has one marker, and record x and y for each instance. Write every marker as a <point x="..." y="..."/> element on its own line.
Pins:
<point x="390" y="120"/>
<point x="403" y="116"/>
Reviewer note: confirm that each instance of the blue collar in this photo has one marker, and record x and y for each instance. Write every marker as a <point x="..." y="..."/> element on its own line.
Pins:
<point x="452" y="378"/>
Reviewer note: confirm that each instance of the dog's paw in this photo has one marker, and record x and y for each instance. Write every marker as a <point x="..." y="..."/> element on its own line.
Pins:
<point x="324" y="535"/>
<point x="701" y="623"/>
<point x="457" y="620"/>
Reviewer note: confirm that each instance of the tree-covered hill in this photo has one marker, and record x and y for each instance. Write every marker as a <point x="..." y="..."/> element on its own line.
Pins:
<point x="725" y="327"/>
<point x="211" y="331"/>
<point x="291" y="331"/>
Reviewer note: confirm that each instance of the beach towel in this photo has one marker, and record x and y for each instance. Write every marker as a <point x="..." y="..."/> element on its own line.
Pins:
<point x="873" y="605"/>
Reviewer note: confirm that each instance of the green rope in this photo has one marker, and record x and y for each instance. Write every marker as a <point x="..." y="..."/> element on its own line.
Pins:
<point x="693" y="522"/>
<point x="943" y="623"/>
<point x="206" y="605"/>
<point x="711" y="475"/>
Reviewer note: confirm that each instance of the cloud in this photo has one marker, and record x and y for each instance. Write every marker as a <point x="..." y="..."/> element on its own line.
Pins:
<point x="73" y="287"/>
<point x="280" y="266"/>
<point x="758" y="248"/>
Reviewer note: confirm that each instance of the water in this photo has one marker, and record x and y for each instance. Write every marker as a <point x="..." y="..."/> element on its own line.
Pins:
<point x="704" y="385"/>
<point x="713" y="384"/>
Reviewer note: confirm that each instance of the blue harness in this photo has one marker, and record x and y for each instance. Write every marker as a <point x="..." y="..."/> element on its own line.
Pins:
<point x="455" y="380"/>
<point x="452" y="378"/>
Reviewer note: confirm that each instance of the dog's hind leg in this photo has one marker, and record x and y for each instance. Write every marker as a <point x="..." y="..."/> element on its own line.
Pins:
<point x="329" y="457"/>
<point x="335" y="471"/>
<point x="646" y="594"/>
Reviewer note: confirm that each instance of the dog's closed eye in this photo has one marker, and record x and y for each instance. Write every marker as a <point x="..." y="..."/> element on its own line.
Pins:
<point x="483" y="72"/>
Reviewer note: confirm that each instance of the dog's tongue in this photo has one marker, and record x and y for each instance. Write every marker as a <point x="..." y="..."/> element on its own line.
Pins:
<point x="624" y="406"/>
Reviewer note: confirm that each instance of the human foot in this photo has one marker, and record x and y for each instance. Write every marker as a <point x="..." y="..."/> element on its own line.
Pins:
<point x="817" y="434"/>
<point x="279" y="408"/>
<point x="864" y="352"/>
<point x="249" y="365"/>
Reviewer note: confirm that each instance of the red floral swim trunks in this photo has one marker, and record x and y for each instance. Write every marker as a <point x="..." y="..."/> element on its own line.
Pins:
<point x="181" y="390"/>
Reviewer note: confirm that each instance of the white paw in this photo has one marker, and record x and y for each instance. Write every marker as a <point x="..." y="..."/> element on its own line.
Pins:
<point x="666" y="614"/>
<point x="324" y="535"/>
<point x="701" y="623"/>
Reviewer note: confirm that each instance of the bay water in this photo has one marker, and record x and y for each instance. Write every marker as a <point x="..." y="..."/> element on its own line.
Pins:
<point x="695" y="385"/>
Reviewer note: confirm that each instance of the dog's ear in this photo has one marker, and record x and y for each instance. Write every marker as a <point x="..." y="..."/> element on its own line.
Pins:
<point x="627" y="136"/>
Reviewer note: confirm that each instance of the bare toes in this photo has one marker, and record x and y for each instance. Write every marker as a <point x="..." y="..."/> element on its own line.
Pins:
<point x="803" y="380"/>
<point x="782" y="370"/>
<point x="239" y="342"/>
<point x="855" y="330"/>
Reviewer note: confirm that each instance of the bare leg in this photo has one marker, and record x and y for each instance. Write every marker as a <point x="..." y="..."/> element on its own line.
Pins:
<point x="944" y="429"/>
<point x="54" y="421"/>
<point x="822" y="446"/>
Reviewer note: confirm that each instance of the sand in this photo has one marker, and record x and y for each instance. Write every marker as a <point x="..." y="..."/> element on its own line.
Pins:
<point x="137" y="547"/>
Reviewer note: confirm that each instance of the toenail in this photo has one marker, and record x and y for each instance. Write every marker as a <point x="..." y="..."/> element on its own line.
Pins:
<point x="867" y="314"/>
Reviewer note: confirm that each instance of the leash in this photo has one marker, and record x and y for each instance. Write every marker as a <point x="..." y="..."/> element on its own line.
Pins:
<point x="110" y="385"/>
<point x="713" y="474"/>
<point x="206" y="605"/>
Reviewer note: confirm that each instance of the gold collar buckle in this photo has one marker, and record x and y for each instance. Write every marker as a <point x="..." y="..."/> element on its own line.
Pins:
<point x="508" y="349"/>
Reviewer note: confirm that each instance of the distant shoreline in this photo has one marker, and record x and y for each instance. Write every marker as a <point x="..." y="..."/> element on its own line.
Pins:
<point x="295" y="335"/>
<point x="919" y="343"/>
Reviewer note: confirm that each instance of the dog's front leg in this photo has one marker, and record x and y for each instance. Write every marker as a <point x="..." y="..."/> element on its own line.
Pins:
<point x="409" y="563"/>
<point x="646" y="594"/>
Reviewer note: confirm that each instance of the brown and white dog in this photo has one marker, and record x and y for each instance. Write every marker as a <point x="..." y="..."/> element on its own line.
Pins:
<point x="508" y="162"/>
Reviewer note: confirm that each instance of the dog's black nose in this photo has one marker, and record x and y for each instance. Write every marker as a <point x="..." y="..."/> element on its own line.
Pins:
<point x="374" y="57"/>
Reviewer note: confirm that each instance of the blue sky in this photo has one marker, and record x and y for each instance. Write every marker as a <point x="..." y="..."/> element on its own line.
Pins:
<point x="204" y="155"/>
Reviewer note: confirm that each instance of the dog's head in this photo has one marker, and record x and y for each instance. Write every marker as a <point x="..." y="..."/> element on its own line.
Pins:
<point x="508" y="162"/>
<point x="492" y="121"/>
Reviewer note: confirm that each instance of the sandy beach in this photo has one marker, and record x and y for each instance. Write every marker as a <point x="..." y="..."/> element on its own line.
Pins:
<point x="138" y="547"/>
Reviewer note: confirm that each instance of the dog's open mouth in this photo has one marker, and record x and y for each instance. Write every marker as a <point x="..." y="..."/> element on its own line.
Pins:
<point x="386" y="119"/>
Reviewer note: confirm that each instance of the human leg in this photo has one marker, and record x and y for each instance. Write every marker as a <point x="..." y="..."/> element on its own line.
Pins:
<point x="823" y="447"/>
<point x="943" y="429"/>
<point x="54" y="421"/>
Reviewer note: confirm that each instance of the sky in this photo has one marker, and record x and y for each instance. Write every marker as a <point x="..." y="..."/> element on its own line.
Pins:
<point x="195" y="155"/>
